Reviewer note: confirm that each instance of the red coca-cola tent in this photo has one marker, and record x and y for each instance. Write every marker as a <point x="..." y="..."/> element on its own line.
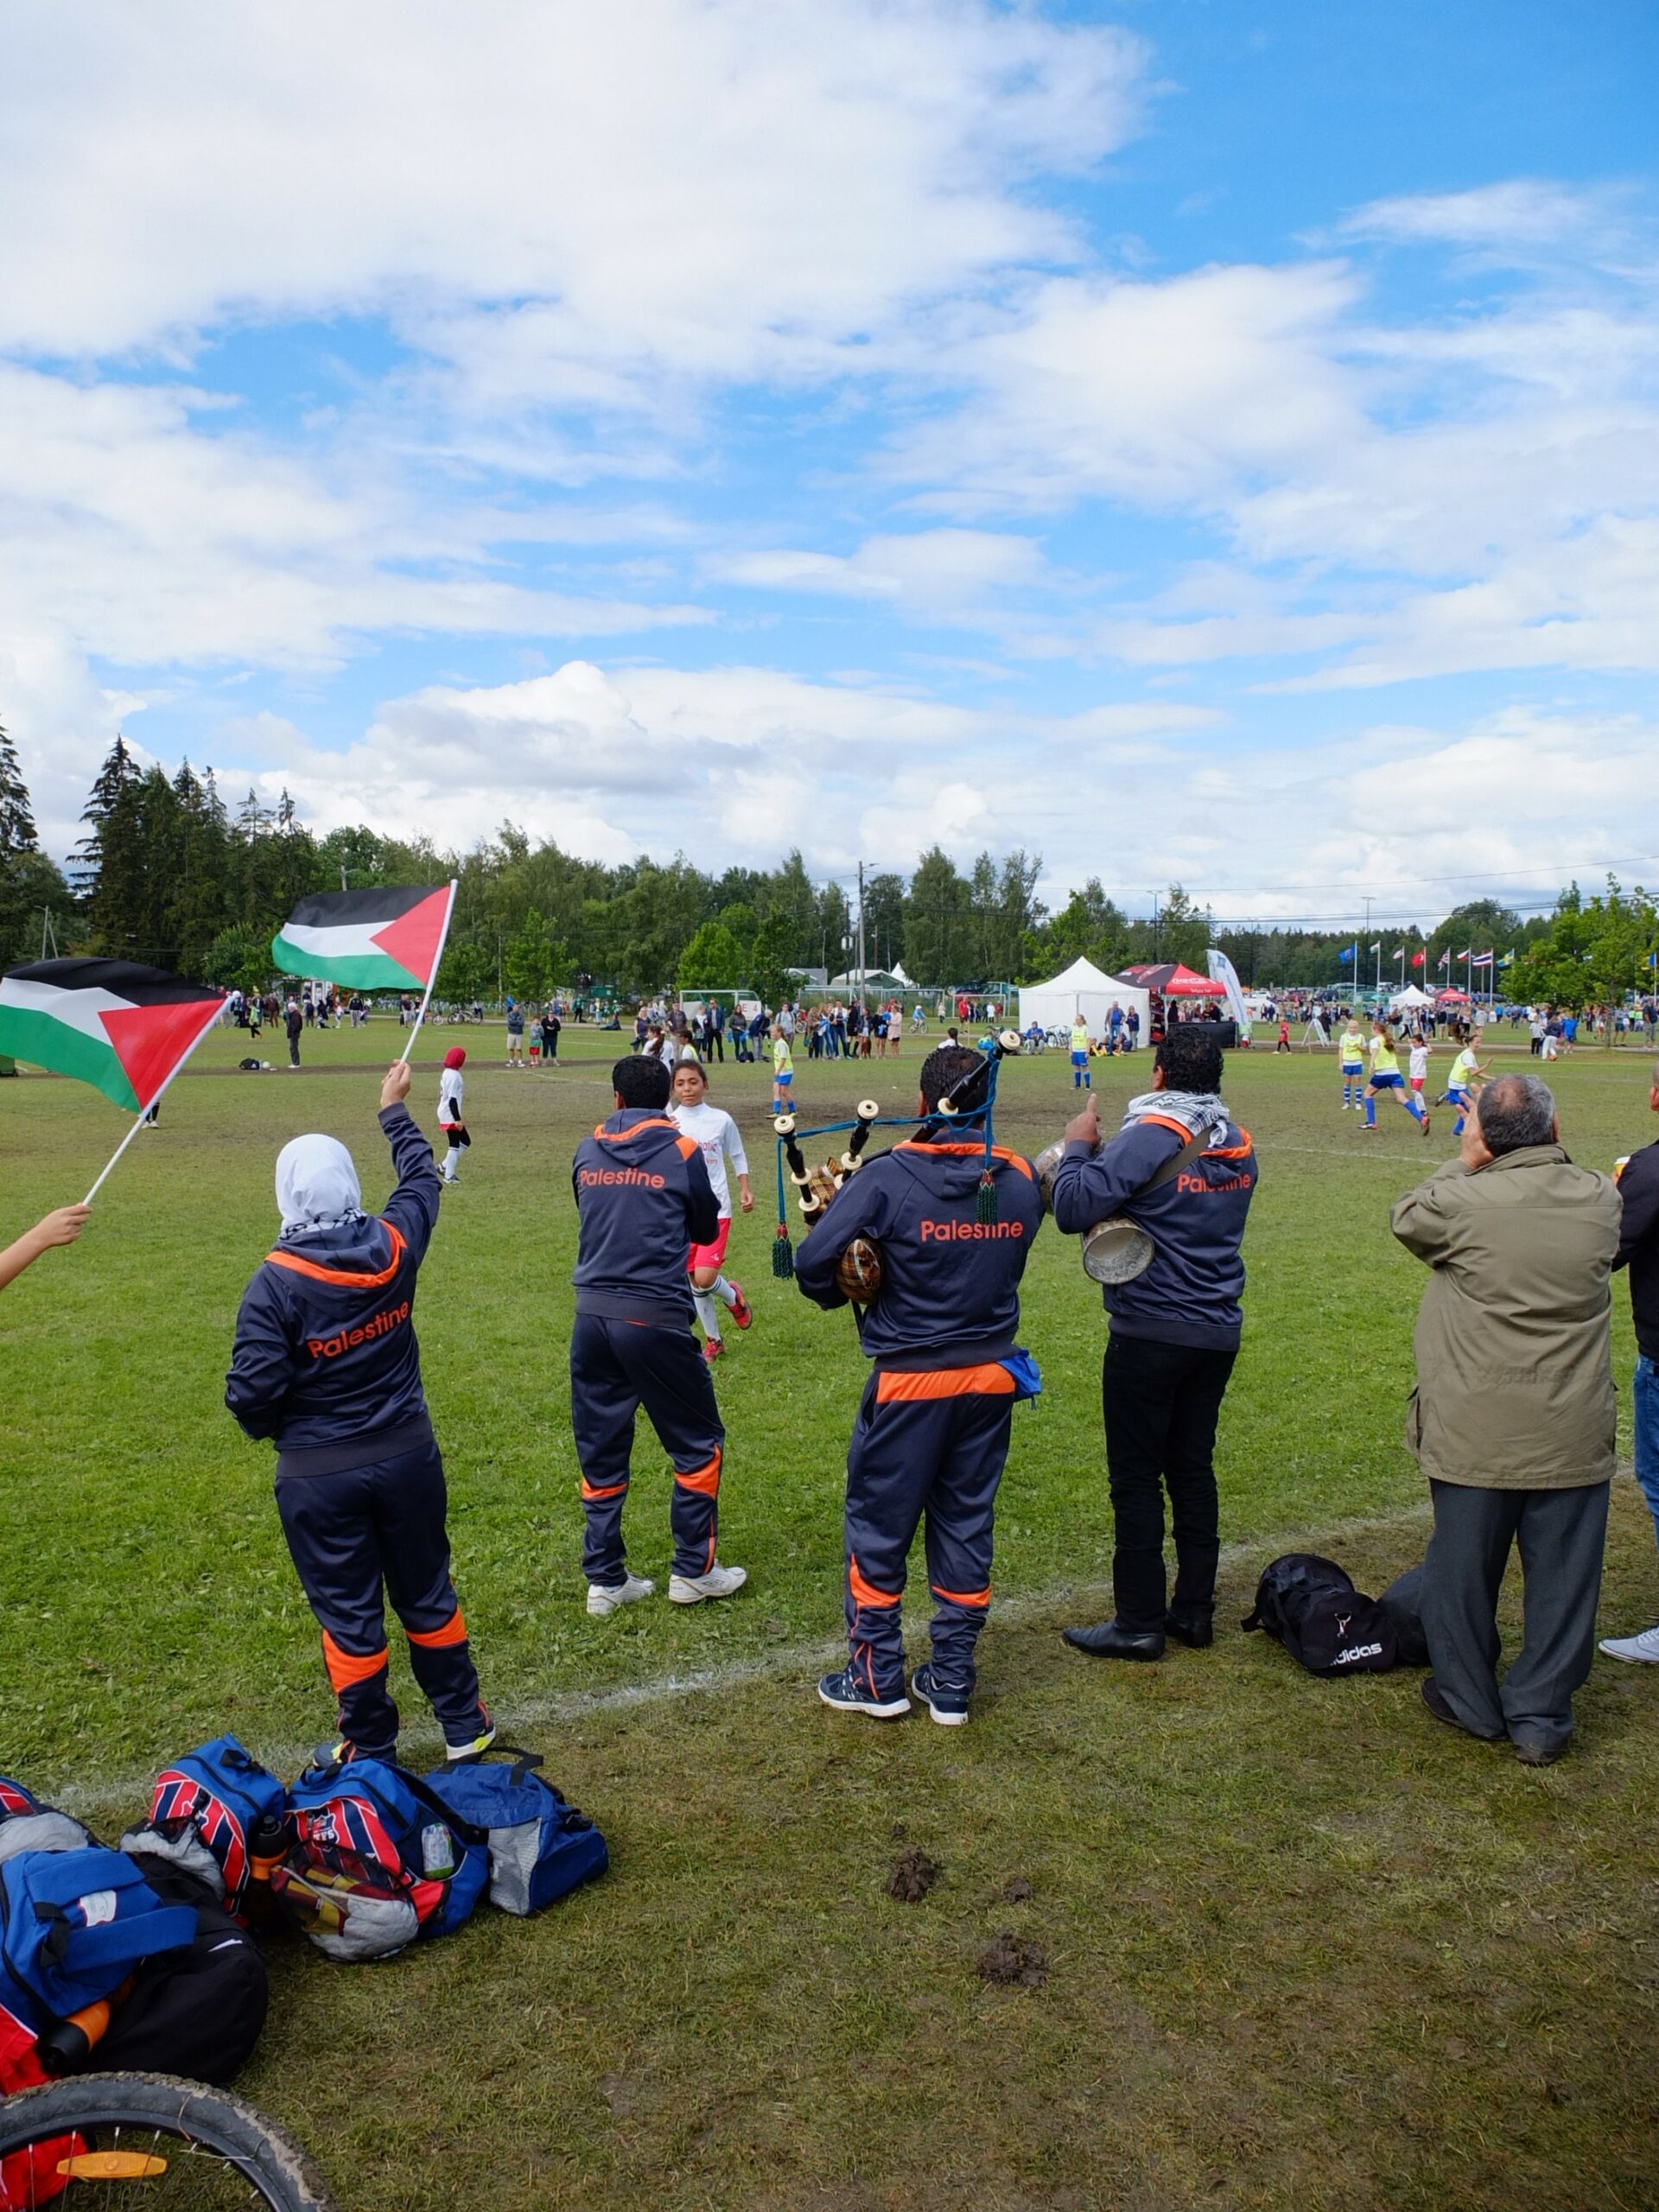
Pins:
<point x="1169" y="979"/>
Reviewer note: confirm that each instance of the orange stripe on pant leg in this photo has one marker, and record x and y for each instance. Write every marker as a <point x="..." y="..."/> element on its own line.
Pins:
<point x="346" y="1668"/>
<point x="589" y="1495"/>
<point x="962" y="1597"/>
<point x="865" y="1592"/>
<point x="453" y="1631"/>
<point x="705" y="1478"/>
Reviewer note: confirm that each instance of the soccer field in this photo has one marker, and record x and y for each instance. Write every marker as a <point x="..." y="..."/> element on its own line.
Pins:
<point x="1300" y="1944"/>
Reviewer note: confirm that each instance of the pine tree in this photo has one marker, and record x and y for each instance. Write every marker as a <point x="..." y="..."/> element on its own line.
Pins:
<point x="17" y="833"/>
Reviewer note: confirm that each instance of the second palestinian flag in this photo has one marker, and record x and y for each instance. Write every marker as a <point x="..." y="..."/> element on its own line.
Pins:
<point x="110" y="1022"/>
<point x="368" y="940"/>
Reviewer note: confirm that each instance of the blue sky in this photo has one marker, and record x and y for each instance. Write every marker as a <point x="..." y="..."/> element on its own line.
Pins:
<point x="1191" y="440"/>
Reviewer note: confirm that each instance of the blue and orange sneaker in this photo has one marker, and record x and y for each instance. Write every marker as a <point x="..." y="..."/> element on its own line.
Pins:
<point x="848" y="1695"/>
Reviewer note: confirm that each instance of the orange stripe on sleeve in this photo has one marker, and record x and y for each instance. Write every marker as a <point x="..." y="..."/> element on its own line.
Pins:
<point x="346" y="1668"/>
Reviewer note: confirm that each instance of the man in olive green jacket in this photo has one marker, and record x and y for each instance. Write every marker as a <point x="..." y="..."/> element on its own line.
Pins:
<point x="1512" y="1420"/>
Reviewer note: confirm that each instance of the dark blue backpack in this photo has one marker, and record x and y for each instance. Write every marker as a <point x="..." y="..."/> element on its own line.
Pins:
<point x="73" y="1924"/>
<point x="540" y="1846"/>
<point x="218" y="1813"/>
<point x="377" y="1860"/>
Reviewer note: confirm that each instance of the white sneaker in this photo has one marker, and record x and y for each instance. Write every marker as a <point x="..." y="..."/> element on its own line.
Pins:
<point x="718" y="1582"/>
<point x="1644" y="1647"/>
<point x="608" y="1596"/>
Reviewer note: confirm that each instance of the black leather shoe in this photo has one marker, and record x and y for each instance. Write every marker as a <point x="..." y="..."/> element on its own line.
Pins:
<point x="1434" y="1699"/>
<point x="1108" y="1641"/>
<point x="1196" y="1631"/>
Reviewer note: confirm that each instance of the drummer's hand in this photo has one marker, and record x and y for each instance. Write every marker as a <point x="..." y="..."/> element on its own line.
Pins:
<point x="395" y="1089"/>
<point x="1085" y="1128"/>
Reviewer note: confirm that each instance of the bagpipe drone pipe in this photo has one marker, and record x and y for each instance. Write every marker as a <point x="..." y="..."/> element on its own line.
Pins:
<point x="858" y="1272"/>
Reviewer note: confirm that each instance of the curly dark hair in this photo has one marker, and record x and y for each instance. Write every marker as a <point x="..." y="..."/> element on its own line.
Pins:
<point x="947" y="1065"/>
<point x="1190" y="1058"/>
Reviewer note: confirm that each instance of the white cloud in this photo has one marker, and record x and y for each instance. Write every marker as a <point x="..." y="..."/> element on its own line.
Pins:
<point x="1162" y="393"/>
<point x="1525" y="212"/>
<point x="735" y="762"/>
<point x="145" y="523"/>
<point x="665" y="188"/>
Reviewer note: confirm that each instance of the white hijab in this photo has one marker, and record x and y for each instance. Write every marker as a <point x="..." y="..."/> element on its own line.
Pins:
<point x="316" y="1185"/>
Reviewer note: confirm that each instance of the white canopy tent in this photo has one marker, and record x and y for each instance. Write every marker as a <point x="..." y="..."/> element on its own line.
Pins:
<point x="1082" y="992"/>
<point x="1410" y="998"/>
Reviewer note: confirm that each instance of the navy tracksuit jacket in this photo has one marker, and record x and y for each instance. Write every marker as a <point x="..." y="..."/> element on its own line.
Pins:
<point x="1189" y="1293"/>
<point x="326" y="1364"/>
<point x="932" y="1430"/>
<point x="645" y="1198"/>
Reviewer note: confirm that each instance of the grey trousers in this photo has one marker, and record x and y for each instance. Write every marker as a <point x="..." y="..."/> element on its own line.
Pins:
<point x="1562" y="1534"/>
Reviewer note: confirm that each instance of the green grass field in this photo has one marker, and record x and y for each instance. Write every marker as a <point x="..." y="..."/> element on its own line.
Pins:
<point x="1302" y="1945"/>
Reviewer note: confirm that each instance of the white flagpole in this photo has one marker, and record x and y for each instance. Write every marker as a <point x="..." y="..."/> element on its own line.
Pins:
<point x="448" y="912"/>
<point x="143" y="1110"/>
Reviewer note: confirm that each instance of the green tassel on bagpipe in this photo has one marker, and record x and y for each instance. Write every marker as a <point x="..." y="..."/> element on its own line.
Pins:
<point x="985" y="1203"/>
<point x="783" y="1255"/>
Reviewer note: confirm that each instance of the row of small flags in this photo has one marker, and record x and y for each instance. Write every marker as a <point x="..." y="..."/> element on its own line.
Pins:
<point x="128" y="1029"/>
<point x="1350" y="955"/>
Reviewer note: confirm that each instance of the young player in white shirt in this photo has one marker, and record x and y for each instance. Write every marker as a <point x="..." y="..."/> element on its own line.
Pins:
<point x="716" y="1136"/>
<point x="1418" y="1067"/>
<point x="452" y="1114"/>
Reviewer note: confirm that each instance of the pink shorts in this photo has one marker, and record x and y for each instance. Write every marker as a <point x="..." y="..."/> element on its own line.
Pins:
<point x="711" y="1255"/>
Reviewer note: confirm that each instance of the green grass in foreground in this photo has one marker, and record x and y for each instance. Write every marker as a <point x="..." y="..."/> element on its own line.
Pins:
<point x="1303" y="1945"/>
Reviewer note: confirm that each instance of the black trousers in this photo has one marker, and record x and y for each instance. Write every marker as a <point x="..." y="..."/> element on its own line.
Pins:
<point x="1161" y="1403"/>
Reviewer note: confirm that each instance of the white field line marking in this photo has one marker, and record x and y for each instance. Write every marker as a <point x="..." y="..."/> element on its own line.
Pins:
<point x="797" y="1662"/>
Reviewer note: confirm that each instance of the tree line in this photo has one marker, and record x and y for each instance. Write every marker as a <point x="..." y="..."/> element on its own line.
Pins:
<point x="168" y="872"/>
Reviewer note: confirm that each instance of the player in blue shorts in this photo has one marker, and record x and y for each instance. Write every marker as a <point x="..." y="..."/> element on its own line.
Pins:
<point x="1387" y="1080"/>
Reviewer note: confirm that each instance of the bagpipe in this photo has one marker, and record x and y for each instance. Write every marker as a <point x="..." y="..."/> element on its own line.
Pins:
<point x="858" y="1272"/>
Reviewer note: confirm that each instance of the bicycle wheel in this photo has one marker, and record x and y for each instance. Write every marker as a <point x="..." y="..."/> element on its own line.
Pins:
<point x="146" y="2139"/>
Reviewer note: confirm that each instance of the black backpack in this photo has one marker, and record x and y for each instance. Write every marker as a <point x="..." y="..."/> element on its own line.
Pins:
<point x="1311" y="1606"/>
<point x="196" y="2012"/>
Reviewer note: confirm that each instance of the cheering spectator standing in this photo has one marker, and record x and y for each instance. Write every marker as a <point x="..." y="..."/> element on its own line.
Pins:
<point x="1512" y="1420"/>
<point x="1638" y="1251"/>
<point x="1180" y="1169"/>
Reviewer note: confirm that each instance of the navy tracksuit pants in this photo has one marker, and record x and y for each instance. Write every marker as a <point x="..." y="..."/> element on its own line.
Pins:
<point x="923" y="1446"/>
<point x="356" y="1539"/>
<point x="616" y="1367"/>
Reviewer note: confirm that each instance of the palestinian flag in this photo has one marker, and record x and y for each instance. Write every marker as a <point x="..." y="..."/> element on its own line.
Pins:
<point x="369" y="940"/>
<point x="124" y="1027"/>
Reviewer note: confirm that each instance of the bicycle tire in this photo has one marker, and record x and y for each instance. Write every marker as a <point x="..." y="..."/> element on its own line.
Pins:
<point x="265" y="2155"/>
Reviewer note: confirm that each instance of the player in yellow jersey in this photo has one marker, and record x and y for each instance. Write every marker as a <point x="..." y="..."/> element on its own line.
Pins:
<point x="1466" y="1076"/>
<point x="1350" y="1052"/>
<point x="1387" y="1080"/>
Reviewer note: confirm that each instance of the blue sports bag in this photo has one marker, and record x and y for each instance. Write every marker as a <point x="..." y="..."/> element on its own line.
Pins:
<point x="215" y="1812"/>
<point x="377" y="1860"/>
<point x="73" y="1924"/>
<point x="540" y="1847"/>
